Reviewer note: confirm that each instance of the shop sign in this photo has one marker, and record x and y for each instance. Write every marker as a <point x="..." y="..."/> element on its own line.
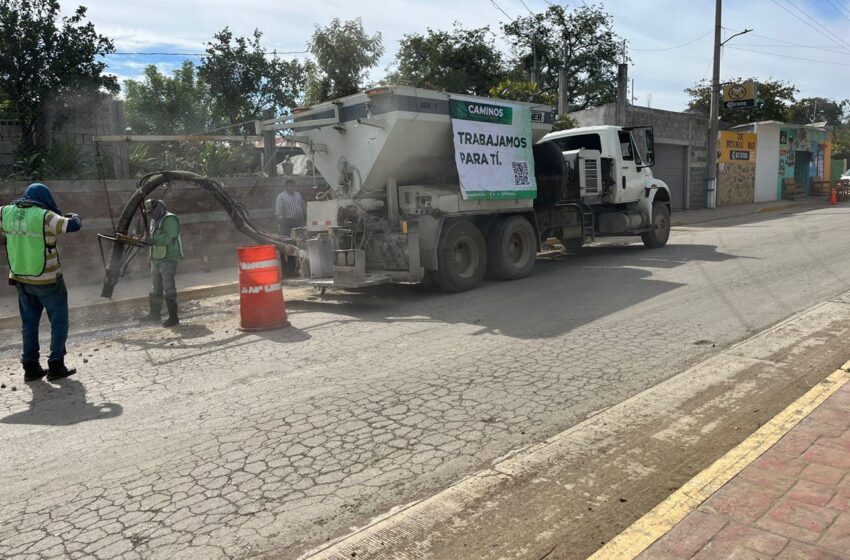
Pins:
<point x="737" y="147"/>
<point x="740" y="96"/>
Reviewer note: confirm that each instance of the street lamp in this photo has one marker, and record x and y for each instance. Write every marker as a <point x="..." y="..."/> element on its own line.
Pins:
<point x="714" y="117"/>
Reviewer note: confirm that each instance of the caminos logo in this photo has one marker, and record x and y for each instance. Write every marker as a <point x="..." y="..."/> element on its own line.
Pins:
<point x="486" y="111"/>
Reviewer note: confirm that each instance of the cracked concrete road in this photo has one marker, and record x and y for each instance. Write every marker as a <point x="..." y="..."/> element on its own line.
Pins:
<point x="205" y="442"/>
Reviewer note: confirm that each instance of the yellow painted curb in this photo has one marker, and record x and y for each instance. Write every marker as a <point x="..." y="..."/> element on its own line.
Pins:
<point x="658" y="522"/>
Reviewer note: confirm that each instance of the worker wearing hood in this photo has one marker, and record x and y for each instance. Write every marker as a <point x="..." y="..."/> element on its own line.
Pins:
<point x="31" y="225"/>
<point x="166" y="252"/>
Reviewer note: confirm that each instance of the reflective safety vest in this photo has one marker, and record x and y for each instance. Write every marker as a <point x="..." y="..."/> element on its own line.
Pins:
<point x="26" y="247"/>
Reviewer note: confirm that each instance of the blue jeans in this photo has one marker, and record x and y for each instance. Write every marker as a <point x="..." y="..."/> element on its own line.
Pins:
<point x="32" y="300"/>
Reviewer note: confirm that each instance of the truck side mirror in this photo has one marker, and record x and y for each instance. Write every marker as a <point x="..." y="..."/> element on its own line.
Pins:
<point x="650" y="147"/>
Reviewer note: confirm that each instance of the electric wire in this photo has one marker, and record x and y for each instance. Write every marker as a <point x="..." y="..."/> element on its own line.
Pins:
<point x="703" y="36"/>
<point x="791" y="57"/>
<point x="838" y="42"/>
<point x="501" y="10"/>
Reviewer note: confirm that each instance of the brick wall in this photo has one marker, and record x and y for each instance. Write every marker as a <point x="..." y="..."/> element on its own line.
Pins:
<point x="206" y="228"/>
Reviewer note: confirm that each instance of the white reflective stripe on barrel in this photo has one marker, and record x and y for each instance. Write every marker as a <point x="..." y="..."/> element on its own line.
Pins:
<point x="272" y="263"/>
<point x="257" y="289"/>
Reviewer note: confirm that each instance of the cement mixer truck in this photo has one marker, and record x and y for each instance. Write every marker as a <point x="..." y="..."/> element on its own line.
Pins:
<point x="427" y="186"/>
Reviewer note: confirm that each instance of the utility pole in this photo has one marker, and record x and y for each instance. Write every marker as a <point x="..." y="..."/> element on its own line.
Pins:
<point x="563" y="100"/>
<point x="714" y="118"/>
<point x="269" y="148"/>
<point x="714" y="115"/>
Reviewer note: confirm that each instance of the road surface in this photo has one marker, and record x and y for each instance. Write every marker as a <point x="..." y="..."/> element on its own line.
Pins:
<point x="206" y="442"/>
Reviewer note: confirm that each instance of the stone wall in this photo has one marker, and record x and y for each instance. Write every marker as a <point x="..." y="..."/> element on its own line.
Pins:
<point x="206" y="228"/>
<point x="737" y="182"/>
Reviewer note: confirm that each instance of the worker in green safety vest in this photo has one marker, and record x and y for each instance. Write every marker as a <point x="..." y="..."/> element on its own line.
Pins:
<point x="166" y="252"/>
<point x="30" y="226"/>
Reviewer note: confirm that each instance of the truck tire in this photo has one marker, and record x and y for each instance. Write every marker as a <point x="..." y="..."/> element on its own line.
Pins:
<point x="511" y="248"/>
<point x="659" y="229"/>
<point x="461" y="257"/>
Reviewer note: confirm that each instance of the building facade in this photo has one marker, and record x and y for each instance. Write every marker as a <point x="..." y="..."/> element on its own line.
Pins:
<point x="788" y="153"/>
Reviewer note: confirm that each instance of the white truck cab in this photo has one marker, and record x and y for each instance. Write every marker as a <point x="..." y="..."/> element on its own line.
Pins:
<point x="629" y="200"/>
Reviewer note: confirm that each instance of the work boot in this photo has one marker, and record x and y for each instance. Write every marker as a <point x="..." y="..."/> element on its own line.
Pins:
<point x="33" y="371"/>
<point x="155" y="313"/>
<point x="171" y="305"/>
<point x="57" y="370"/>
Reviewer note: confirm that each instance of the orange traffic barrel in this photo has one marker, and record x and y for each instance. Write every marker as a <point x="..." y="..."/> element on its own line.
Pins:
<point x="260" y="292"/>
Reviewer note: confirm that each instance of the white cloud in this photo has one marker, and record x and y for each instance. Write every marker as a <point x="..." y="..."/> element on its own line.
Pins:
<point x="651" y="24"/>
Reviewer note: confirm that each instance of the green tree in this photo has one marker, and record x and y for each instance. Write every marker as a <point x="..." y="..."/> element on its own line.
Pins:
<point x="461" y="60"/>
<point x="582" y="40"/>
<point x="818" y="109"/>
<point x="161" y="104"/>
<point x="344" y="52"/>
<point x="243" y="78"/>
<point x="43" y="58"/>
<point x="775" y="98"/>
<point x="522" y="91"/>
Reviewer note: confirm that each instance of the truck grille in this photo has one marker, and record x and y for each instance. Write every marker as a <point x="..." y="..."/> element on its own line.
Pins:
<point x="591" y="176"/>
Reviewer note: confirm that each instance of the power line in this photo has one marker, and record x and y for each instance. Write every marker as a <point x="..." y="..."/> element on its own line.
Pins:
<point x="501" y="10"/>
<point x="677" y="46"/>
<point x="818" y="23"/>
<point x="784" y="56"/>
<point x="783" y="41"/>
<point x="526" y="7"/>
<point x="840" y="9"/>
<point x="838" y="42"/>
<point x="827" y="48"/>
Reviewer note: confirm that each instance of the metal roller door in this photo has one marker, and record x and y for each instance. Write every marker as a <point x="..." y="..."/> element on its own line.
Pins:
<point x="670" y="168"/>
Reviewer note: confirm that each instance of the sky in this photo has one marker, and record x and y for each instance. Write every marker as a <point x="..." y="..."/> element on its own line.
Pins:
<point x="806" y="42"/>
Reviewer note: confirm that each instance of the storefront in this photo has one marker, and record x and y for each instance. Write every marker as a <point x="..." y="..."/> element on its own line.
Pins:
<point x="804" y="156"/>
<point x="790" y="154"/>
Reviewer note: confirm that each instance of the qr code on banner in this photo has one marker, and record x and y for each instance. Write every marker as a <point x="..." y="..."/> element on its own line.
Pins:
<point x="520" y="173"/>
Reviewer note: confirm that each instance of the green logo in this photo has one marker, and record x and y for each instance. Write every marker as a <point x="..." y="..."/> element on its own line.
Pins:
<point x="481" y="112"/>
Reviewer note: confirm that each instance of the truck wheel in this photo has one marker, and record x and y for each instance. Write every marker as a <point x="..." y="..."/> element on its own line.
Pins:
<point x="659" y="230"/>
<point x="461" y="257"/>
<point x="511" y="248"/>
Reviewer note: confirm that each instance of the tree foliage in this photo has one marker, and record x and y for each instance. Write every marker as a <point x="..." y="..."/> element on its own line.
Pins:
<point x="582" y="41"/>
<point x="344" y="52"/>
<point x="243" y="78"/>
<point x="461" y="60"/>
<point x="818" y="109"/>
<point x="775" y="98"/>
<point x="522" y="91"/>
<point x="162" y="104"/>
<point x="43" y="58"/>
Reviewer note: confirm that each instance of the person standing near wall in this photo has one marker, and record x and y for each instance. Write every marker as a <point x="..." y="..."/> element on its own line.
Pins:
<point x="31" y="225"/>
<point x="290" y="209"/>
<point x="166" y="252"/>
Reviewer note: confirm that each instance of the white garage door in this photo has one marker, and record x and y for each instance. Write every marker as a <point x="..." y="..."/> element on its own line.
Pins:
<point x="670" y="168"/>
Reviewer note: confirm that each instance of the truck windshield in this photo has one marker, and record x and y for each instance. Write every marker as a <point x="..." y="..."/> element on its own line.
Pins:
<point x="586" y="141"/>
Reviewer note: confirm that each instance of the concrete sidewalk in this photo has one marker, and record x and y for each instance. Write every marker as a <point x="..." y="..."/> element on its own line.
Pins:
<point x="694" y="217"/>
<point x="784" y="493"/>
<point x="218" y="281"/>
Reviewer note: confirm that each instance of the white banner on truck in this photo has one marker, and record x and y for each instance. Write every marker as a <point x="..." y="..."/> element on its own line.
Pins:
<point x="493" y="150"/>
